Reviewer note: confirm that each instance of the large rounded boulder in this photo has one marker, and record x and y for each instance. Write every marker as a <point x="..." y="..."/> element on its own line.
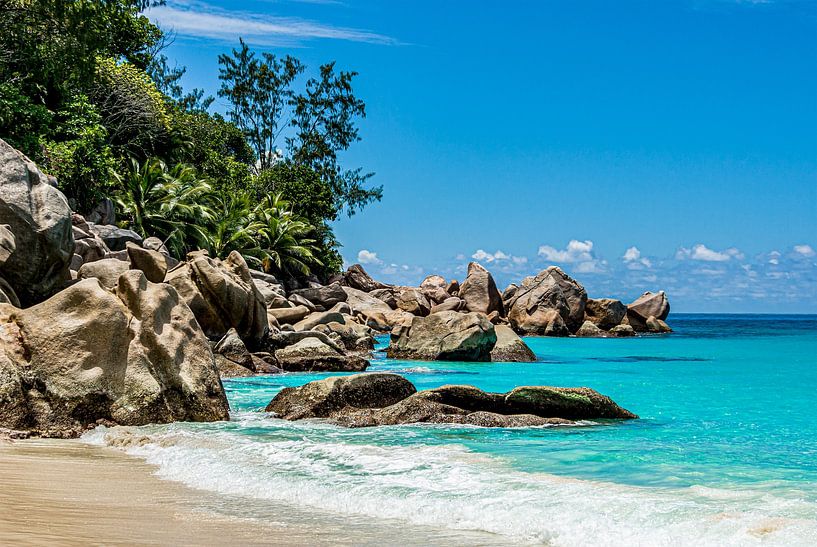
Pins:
<point x="536" y="303"/>
<point x="222" y="295"/>
<point x="39" y="217"/>
<point x="445" y="336"/>
<point x="479" y="291"/>
<point x="131" y="356"/>
<point x="650" y="304"/>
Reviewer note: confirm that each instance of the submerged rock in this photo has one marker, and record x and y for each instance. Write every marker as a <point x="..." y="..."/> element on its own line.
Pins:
<point x="367" y="400"/>
<point x="445" y="336"/>
<point x="131" y="356"/>
<point x="590" y="330"/>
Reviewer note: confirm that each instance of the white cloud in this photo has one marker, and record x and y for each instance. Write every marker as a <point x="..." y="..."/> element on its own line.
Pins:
<point x="368" y="257"/>
<point x="804" y="250"/>
<point x="704" y="253"/>
<point x="482" y="256"/>
<point x="632" y="257"/>
<point x="202" y="20"/>
<point x="576" y="251"/>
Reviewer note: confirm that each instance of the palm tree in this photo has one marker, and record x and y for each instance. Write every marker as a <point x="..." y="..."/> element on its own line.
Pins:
<point x="171" y="204"/>
<point x="288" y="245"/>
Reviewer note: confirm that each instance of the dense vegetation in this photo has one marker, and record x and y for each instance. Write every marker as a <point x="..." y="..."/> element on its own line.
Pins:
<point x="86" y="92"/>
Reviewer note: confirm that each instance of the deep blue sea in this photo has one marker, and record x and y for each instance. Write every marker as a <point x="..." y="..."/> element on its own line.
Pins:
<point x="725" y="451"/>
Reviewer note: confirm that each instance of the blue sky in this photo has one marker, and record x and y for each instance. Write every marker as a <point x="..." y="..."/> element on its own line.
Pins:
<point x="638" y="145"/>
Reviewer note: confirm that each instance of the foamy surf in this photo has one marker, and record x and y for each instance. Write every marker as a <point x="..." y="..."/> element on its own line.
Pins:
<point x="450" y="487"/>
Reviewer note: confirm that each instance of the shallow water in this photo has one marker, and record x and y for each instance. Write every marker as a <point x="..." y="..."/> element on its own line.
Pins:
<point x="724" y="452"/>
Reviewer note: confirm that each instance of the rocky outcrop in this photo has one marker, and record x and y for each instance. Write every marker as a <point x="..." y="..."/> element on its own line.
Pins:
<point x="116" y="239"/>
<point x="590" y="330"/>
<point x="605" y="313"/>
<point x="452" y="303"/>
<point x="510" y="348"/>
<point x="357" y="278"/>
<point x="313" y="355"/>
<point x="107" y="271"/>
<point x="152" y="263"/>
<point x="387" y="399"/>
<point x="131" y="356"/>
<point x="289" y="315"/>
<point x="479" y="291"/>
<point x="222" y="295"/>
<point x="445" y="336"/>
<point x="622" y="331"/>
<point x="319" y="318"/>
<point x="533" y="306"/>
<point x="645" y="306"/>
<point x="353" y="336"/>
<point x="323" y="398"/>
<point x="364" y="303"/>
<point x="386" y="296"/>
<point x="7" y="247"/>
<point x="40" y="219"/>
<point x="414" y="302"/>
<point x="657" y="326"/>
<point x="325" y="296"/>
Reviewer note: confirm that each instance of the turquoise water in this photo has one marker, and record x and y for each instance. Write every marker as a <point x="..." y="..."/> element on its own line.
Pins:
<point x="724" y="452"/>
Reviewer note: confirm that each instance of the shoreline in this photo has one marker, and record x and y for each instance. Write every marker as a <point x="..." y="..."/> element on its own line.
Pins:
<point x="69" y="492"/>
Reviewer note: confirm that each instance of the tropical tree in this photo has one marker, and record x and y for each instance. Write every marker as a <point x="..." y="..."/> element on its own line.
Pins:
<point x="172" y="204"/>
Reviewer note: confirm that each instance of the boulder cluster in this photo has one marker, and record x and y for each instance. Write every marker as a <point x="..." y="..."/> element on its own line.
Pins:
<point x="365" y="400"/>
<point x="98" y="325"/>
<point x="473" y="321"/>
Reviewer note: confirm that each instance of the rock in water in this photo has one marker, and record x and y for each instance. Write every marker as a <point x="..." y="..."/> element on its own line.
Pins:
<point x="446" y="336"/>
<point x="133" y="356"/>
<point x="479" y="291"/>
<point x="651" y="304"/>
<point x="532" y="305"/>
<point x="222" y="295"/>
<point x="388" y="399"/>
<point x="322" y="398"/>
<point x="510" y="348"/>
<point x="312" y="354"/>
<point x="590" y="330"/>
<point x="40" y="219"/>
<point x="605" y="313"/>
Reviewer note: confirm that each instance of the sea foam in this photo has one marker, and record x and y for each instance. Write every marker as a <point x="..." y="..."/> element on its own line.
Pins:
<point x="447" y="486"/>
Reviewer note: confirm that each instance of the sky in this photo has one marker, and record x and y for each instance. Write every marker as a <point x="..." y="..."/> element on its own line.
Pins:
<point x="638" y="145"/>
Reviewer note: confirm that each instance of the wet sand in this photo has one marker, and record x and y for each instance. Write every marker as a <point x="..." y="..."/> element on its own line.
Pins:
<point x="57" y="492"/>
<point x="68" y="493"/>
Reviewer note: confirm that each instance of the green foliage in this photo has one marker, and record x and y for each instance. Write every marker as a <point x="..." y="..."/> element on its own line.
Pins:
<point x="22" y="121"/>
<point x="168" y="81"/>
<point x="133" y="110"/>
<point x="170" y="204"/>
<point x="259" y="91"/>
<point x="214" y="146"/>
<point x="78" y="155"/>
<point x="324" y="118"/>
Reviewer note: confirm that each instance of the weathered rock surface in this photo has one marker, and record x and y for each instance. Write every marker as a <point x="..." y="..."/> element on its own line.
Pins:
<point x="313" y="355"/>
<point x="357" y="278"/>
<point x="116" y="238"/>
<point x="622" y="331"/>
<point x="353" y="336"/>
<point x="323" y="398"/>
<point x="231" y="347"/>
<point x="510" y="348"/>
<point x="387" y="399"/>
<point x="40" y="219"/>
<point x="650" y="304"/>
<point x="445" y="336"/>
<point x="590" y="330"/>
<point x="289" y="315"/>
<point x="133" y="356"/>
<point x="222" y="295"/>
<point x="657" y="325"/>
<point x="152" y="263"/>
<point x="606" y="313"/>
<point x="452" y="303"/>
<point x="319" y="318"/>
<point x="365" y="303"/>
<point x="532" y="304"/>
<point x="326" y="296"/>
<point x="414" y="302"/>
<point x="387" y="296"/>
<point x="479" y="291"/>
<point x="106" y="270"/>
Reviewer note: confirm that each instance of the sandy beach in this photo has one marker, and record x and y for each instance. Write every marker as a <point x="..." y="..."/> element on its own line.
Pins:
<point x="68" y="493"/>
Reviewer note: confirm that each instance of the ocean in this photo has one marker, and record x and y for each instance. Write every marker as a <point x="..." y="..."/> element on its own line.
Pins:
<point x="724" y="452"/>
